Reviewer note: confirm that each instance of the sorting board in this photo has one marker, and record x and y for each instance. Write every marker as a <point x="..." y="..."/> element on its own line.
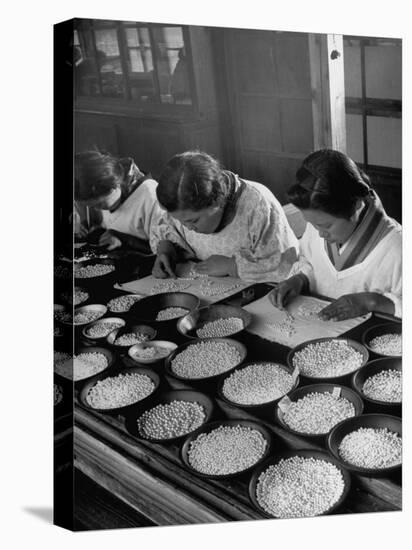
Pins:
<point x="146" y="285"/>
<point x="268" y="320"/>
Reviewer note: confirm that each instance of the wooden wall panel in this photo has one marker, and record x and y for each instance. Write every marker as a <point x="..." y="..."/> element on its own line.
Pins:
<point x="291" y="62"/>
<point x="269" y="83"/>
<point x="260" y="123"/>
<point x="150" y="142"/>
<point x="276" y="172"/>
<point x="246" y="47"/>
<point x="296" y="125"/>
<point x="93" y="131"/>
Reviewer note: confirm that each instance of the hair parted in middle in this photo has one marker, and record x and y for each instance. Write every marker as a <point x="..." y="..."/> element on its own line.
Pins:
<point x="192" y="180"/>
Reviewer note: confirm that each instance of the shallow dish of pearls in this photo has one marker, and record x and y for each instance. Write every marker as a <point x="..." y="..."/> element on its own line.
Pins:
<point x="128" y="335"/>
<point x="379" y="383"/>
<point x="151" y="352"/>
<point x="312" y="411"/>
<point x="214" y="321"/>
<point x="89" y="271"/>
<point x="205" y="359"/>
<point x="75" y="297"/>
<point x="83" y="315"/>
<point x="370" y="444"/>
<point x="86" y="363"/>
<point x="257" y="384"/>
<point x="120" y="391"/>
<point x="384" y="340"/>
<point x="100" y="329"/>
<point x="163" y="308"/>
<point x="122" y="304"/>
<point x="302" y="483"/>
<point x="171" y="417"/>
<point x="328" y="359"/>
<point x="226" y="448"/>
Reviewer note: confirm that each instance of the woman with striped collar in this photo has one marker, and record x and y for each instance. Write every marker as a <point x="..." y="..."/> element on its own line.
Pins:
<point x="351" y="250"/>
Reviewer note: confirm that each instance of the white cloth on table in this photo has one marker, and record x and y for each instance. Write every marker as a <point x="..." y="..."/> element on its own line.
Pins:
<point x="259" y="237"/>
<point x="380" y="271"/>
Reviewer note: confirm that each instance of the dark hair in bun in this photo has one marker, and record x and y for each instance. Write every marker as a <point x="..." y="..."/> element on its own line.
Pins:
<point x="192" y="180"/>
<point x="330" y="181"/>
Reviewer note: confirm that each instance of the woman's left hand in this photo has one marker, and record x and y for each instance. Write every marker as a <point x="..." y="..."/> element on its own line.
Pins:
<point x="217" y="266"/>
<point x="110" y="241"/>
<point x="347" y="307"/>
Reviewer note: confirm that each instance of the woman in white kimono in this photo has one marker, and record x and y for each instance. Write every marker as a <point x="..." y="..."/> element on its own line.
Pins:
<point x="229" y="225"/>
<point x="351" y="250"/>
<point x="113" y="194"/>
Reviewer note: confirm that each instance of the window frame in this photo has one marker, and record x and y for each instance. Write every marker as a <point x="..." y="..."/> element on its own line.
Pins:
<point x="126" y="105"/>
<point x="378" y="107"/>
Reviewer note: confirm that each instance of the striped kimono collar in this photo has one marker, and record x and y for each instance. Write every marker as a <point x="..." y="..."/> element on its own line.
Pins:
<point x="374" y="226"/>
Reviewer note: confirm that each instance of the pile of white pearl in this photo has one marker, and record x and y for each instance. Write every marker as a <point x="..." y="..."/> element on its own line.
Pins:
<point x="119" y="391"/>
<point x="284" y="328"/>
<point x="257" y="384"/>
<point x="80" y="366"/>
<point x="122" y="304"/>
<point x="130" y="338"/>
<point x="170" y="285"/>
<point x="79" y="296"/>
<point x="299" y="487"/>
<point x="86" y="316"/>
<point x="309" y="310"/>
<point x="226" y="450"/>
<point x="205" y="359"/>
<point x="220" y="328"/>
<point x="384" y="386"/>
<point x="63" y="316"/>
<point x="387" y="344"/>
<point x="327" y="359"/>
<point x="95" y="270"/>
<point x="213" y="288"/>
<point x="169" y="420"/>
<point x="103" y="328"/>
<point x="171" y="313"/>
<point x="317" y="413"/>
<point x="373" y="448"/>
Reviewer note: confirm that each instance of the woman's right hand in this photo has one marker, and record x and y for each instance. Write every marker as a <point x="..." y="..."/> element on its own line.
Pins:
<point x="166" y="260"/>
<point x="163" y="267"/>
<point x="285" y="291"/>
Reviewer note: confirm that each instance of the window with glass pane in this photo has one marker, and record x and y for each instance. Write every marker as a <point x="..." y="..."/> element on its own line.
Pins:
<point x="373" y="89"/>
<point x="143" y="63"/>
<point x="172" y="65"/>
<point x="140" y="64"/>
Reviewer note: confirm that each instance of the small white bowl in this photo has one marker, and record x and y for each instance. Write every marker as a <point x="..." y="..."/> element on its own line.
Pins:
<point x="169" y="347"/>
<point x="119" y="323"/>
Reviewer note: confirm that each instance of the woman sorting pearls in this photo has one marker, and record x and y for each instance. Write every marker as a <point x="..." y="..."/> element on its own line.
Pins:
<point x="351" y="250"/>
<point x="231" y="226"/>
<point x="115" y="200"/>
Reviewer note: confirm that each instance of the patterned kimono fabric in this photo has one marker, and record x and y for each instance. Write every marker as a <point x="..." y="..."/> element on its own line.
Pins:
<point x="374" y="226"/>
